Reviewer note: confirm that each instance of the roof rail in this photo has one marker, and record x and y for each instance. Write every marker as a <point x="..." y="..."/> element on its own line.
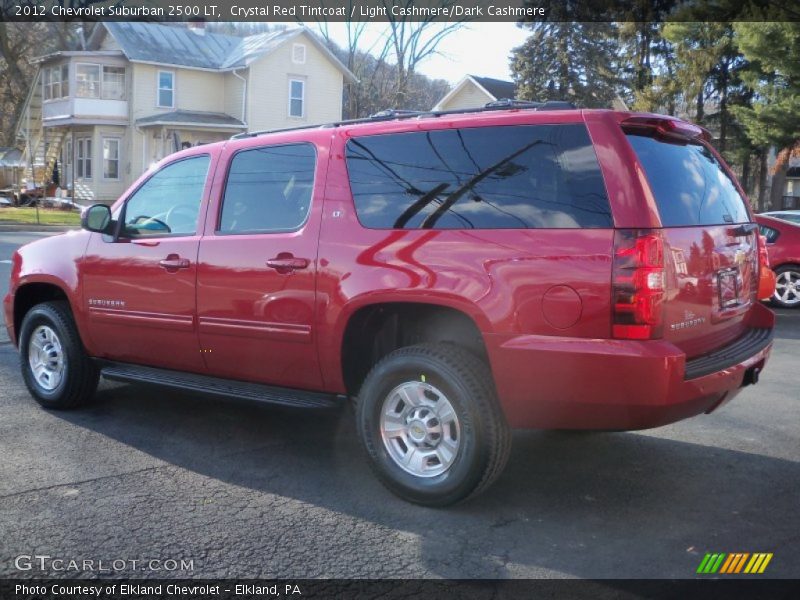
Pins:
<point x="394" y="113"/>
<point x="506" y="103"/>
<point x="391" y="114"/>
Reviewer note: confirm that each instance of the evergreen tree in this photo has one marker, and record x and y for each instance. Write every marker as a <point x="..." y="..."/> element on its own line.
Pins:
<point x="567" y="61"/>
<point x="773" y="49"/>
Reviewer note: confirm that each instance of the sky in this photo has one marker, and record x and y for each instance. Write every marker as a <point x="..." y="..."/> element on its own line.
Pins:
<point x="479" y="49"/>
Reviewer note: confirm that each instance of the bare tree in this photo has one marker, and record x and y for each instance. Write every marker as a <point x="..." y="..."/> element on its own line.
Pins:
<point x="412" y="41"/>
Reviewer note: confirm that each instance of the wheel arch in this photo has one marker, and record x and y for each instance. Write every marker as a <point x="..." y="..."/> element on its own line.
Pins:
<point x="30" y="293"/>
<point x="373" y="330"/>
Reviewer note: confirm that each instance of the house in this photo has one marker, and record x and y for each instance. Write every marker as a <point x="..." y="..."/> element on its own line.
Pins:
<point x="791" y="193"/>
<point x="11" y="167"/>
<point x="141" y="91"/>
<point x="474" y="92"/>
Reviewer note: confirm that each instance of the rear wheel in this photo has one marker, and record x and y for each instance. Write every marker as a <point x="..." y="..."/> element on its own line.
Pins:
<point x="787" y="286"/>
<point x="430" y="422"/>
<point x="55" y="367"/>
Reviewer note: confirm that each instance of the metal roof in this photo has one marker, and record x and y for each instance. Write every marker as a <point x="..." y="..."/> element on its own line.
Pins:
<point x="11" y="157"/>
<point x="199" y="49"/>
<point x="191" y="117"/>
<point x="152" y="42"/>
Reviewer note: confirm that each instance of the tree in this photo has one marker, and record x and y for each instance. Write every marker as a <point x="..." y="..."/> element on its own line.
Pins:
<point x="413" y="39"/>
<point x="567" y="61"/>
<point x="18" y="43"/>
<point x="773" y="49"/>
<point x="642" y="48"/>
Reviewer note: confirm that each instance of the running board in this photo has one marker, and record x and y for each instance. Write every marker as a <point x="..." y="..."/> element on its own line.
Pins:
<point x="217" y="386"/>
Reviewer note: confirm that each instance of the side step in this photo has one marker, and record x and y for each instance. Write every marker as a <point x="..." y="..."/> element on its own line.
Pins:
<point x="217" y="386"/>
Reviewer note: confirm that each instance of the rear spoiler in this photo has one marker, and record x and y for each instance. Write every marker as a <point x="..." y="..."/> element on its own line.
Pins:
<point x="667" y="128"/>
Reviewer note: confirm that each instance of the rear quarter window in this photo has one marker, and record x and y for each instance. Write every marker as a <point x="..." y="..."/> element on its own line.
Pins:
<point x="689" y="184"/>
<point x="537" y="176"/>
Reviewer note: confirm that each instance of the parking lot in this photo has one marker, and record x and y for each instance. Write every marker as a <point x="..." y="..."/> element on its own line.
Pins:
<point x="240" y="489"/>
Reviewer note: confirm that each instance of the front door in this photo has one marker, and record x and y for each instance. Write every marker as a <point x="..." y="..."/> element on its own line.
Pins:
<point x="140" y="290"/>
<point x="257" y="266"/>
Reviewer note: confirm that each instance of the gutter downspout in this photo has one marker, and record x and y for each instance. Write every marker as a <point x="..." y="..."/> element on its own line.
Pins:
<point x="244" y="95"/>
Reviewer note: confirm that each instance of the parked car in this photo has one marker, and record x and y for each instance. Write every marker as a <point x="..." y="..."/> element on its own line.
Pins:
<point x="455" y="274"/>
<point x="783" y="245"/>
<point x="793" y="216"/>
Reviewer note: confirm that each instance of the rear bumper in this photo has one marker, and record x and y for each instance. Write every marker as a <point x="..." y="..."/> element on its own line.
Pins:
<point x="567" y="383"/>
<point x="8" y="312"/>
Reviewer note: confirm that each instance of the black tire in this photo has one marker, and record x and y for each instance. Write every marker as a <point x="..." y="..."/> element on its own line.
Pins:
<point x="484" y="437"/>
<point x="80" y="376"/>
<point x="792" y="271"/>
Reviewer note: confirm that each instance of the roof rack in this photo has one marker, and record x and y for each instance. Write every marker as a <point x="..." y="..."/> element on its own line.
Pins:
<point x="391" y="114"/>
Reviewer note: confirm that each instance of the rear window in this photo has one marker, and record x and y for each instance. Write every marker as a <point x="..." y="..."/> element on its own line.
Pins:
<point x="543" y="176"/>
<point x="689" y="184"/>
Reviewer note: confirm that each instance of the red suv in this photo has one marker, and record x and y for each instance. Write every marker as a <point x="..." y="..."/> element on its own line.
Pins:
<point x="456" y="275"/>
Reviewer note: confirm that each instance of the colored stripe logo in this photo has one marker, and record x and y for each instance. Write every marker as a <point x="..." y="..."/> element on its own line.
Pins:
<point x="734" y="563"/>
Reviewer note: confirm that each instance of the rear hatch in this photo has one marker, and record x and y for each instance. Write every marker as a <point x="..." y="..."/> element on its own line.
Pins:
<point x="710" y="245"/>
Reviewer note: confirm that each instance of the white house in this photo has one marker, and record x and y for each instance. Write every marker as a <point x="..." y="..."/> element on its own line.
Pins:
<point x="474" y="92"/>
<point x="143" y="90"/>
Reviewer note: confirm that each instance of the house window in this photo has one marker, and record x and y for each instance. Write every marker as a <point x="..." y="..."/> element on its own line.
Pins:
<point x="166" y="89"/>
<point x="87" y="78"/>
<point x="114" y="83"/>
<point x="55" y="82"/>
<point x="83" y="158"/>
<point x="47" y="91"/>
<point x="296" y="97"/>
<point x="64" y="81"/>
<point x="299" y="54"/>
<point x="110" y="158"/>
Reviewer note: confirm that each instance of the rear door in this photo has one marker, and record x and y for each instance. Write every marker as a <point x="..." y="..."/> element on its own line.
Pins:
<point x="710" y="242"/>
<point x="257" y="266"/>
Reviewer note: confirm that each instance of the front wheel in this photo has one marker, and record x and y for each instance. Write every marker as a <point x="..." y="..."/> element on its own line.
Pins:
<point x="787" y="286"/>
<point x="429" y="420"/>
<point x="55" y="367"/>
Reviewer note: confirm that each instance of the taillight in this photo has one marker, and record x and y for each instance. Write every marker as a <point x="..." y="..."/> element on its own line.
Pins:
<point x="638" y="284"/>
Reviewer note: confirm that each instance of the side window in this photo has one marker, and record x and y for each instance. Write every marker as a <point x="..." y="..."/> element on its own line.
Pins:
<point x="169" y="202"/>
<point x="268" y="189"/>
<point x="542" y="176"/>
<point x="770" y="234"/>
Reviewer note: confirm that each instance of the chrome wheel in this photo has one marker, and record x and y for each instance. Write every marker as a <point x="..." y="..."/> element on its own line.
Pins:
<point x="46" y="358"/>
<point x="420" y="429"/>
<point x="787" y="288"/>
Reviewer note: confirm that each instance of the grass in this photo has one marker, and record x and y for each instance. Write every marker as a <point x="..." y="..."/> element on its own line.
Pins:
<point x="47" y="216"/>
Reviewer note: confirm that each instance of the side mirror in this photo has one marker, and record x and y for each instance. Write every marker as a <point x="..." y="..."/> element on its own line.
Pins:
<point x="97" y="218"/>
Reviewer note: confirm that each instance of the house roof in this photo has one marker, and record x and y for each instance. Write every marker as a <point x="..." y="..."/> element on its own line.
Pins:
<point x="495" y="89"/>
<point x="11" y="157"/>
<point x="181" y="46"/>
<point x="192" y="118"/>
<point x="155" y="43"/>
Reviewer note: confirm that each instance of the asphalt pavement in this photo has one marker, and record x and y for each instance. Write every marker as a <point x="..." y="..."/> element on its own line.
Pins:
<point x="240" y="489"/>
<point x="9" y="242"/>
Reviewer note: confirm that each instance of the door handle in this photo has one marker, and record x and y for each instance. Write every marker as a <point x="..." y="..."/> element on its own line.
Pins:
<point x="286" y="263"/>
<point x="744" y="229"/>
<point x="173" y="262"/>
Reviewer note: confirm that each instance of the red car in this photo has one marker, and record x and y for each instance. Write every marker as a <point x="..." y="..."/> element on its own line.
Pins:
<point x="783" y="244"/>
<point x="456" y="274"/>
